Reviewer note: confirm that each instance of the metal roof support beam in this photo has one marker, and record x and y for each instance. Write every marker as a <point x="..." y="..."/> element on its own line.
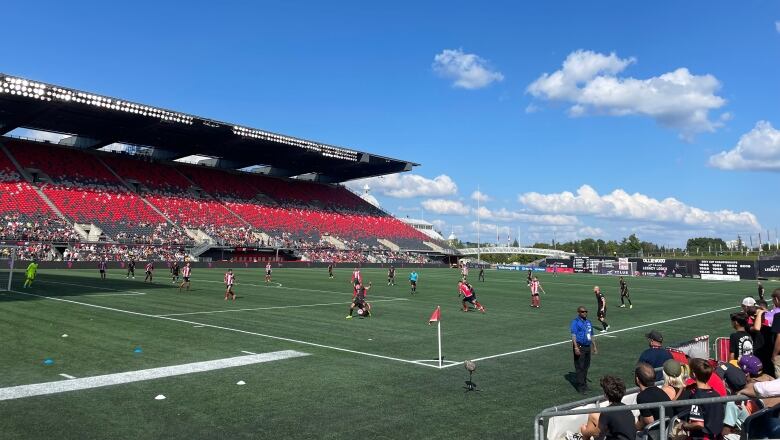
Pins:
<point x="162" y="154"/>
<point x="275" y="172"/>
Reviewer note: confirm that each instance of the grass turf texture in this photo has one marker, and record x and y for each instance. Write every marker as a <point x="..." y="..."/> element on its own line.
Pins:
<point x="331" y="393"/>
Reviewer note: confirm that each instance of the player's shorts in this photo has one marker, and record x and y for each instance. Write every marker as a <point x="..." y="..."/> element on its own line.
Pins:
<point x="30" y="278"/>
<point x="229" y="287"/>
<point x="268" y="272"/>
<point x="186" y="279"/>
<point x="414" y="283"/>
<point x="469" y="299"/>
<point x="102" y="271"/>
<point x="601" y="314"/>
<point x="359" y="303"/>
<point x="624" y="293"/>
<point x="534" y="294"/>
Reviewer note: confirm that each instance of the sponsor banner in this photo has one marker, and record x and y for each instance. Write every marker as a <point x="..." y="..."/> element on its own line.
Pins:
<point x="561" y="269"/>
<point x="769" y="268"/>
<point x="654" y="267"/>
<point x="560" y="262"/>
<point x="719" y="277"/>
<point x="513" y="267"/>
<point x="614" y="272"/>
<point x="746" y="270"/>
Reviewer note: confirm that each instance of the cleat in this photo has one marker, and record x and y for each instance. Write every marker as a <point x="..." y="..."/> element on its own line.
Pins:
<point x="349" y="317"/>
<point x="622" y="306"/>
<point x="631" y="306"/>
<point x="606" y="328"/>
<point x="603" y="331"/>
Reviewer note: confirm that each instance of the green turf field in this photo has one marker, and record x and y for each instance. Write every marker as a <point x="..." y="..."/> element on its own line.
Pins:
<point x="360" y="378"/>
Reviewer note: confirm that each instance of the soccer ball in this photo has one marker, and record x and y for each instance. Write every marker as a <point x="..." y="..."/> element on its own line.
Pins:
<point x="360" y="312"/>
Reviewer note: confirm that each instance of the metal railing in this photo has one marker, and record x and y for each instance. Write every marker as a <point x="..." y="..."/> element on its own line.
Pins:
<point x="557" y="411"/>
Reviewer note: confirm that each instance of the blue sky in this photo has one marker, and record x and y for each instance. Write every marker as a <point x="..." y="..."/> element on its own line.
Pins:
<point x="622" y="105"/>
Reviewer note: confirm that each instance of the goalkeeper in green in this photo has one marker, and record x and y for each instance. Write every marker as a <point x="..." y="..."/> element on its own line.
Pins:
<point x="32" y="269"/>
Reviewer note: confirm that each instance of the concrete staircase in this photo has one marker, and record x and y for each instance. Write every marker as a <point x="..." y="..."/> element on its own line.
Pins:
<point x="338" y="244"/>
<point x="389" y="244"/>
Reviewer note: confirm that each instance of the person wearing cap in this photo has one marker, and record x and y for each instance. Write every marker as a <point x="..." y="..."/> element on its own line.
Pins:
<point x="674" y="381"/>
<point x="753" y="369"/>
<point x="582" y="342"/>
<point x="655" y="355"/>
<point x="749" y="301"/>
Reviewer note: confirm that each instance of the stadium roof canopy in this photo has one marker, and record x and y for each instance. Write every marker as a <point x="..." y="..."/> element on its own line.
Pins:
<point x="95" y="121"/>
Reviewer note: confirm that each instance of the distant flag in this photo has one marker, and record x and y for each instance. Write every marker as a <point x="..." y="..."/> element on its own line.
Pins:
<point x="435" y="316"/>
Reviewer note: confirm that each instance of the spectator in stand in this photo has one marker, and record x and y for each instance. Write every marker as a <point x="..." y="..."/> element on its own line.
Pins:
<point x="644" y="377"/>
<point x="754" y="370"/>
<point x="618" y="425"/>
<point x="705" y="421"/>
<point x="674" y="380"/>
<point x="740" y="342"/>
<point x="775" y="339"/>
<point x="655" y="355"/>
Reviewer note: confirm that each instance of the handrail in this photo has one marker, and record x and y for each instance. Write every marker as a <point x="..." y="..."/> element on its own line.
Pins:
<point x="551" y="412"/>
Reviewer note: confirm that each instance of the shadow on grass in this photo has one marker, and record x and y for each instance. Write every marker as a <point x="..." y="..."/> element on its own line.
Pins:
<point x="78" y="285"/>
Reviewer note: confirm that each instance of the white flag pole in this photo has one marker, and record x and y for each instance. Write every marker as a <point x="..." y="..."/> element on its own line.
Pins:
<point x="438" y="330"/>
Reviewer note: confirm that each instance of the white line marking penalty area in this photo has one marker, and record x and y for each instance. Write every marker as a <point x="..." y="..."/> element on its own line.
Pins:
<point x="84" y="383"/>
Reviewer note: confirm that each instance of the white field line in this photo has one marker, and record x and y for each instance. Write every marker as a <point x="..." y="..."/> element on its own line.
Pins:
<point x="289" y="288"/>
<point x="631" y="288"/>
<point x="247" y="352"/>
<point x="275" y="307"/>
<point x="246" y="332"/>
<point x="611" y="332"/>
<point x="84" y="383"/>
<point x="67" y="376"/>
<point x="127" y="292"/>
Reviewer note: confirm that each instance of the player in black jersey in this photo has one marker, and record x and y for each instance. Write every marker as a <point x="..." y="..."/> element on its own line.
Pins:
<point x="391" y="276"/>
<point x="529" y="278"/>
<point x="624" y="295"/>
<point x="330" y="270"/>
<point x="359" y="301"/>
<point x="601" y="308"/>
<point x="174" y="272"/>
<point x="131" y="268"/>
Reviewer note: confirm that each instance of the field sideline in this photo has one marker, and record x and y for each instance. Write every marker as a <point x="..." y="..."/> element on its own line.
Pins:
<point x="373" y="377"/>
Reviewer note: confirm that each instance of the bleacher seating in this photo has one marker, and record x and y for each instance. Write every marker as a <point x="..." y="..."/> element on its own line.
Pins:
<point x="232" y="207"/>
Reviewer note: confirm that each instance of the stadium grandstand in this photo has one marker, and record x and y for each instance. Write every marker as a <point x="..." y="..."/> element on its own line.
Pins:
<point x="114" y="186"/>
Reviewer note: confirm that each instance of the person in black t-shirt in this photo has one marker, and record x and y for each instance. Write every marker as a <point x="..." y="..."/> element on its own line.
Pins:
<point x="705" y="421"/>
<point x="740" y="342"/>
<point x="644" y="377"/>
<point x="618" y="425"/>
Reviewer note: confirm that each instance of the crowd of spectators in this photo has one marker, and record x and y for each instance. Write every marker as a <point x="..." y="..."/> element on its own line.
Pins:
<point x="122" y="252"/>
<point x="750" y="368"/>
<point x="38" y="228"/>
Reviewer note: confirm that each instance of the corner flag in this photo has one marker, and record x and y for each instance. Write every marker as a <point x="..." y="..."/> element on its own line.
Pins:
<point x="435" y="316"/>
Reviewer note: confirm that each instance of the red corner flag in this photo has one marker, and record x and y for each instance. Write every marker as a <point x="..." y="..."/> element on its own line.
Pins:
<point x="435" y="315"/>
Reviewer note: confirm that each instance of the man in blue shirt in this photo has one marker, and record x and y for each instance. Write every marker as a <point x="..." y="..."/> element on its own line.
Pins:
<point x="656" y="355"/>
<point x="582" y="343"/>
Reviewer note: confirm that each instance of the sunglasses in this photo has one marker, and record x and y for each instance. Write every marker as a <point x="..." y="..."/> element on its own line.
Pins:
<point x="582" y="311"/>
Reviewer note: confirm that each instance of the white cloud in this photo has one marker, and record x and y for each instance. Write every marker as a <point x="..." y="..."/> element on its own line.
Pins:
<point x="443" y="206"/>
<point x="468" y="70"/>
<point x="621" y="205"/>
<point x="480" y="197"/>
<point x="404" y="186"/>
<point x="588" y="80"/>
<point x="758" y="149"/>
<point x="439" y="224"/>
<point x="504" y="215"/>
<point x="38" y="135"/>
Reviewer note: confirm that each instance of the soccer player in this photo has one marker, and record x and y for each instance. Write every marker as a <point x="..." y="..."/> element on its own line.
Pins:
<point x="102" y="268"/>
<point x="391" y="276"/>
<point x="464" y="271"/>
<point x="230" y="279"/>
<point x="601" y="307"/>
<point x="624" y="295"/>
<point x="413" y="281"/>
<point x="330" y="270"/>
<point x="482" y="274"/>
<point x="529" y="278"/>
<point x="32" y="269"/>
<point x="535" y="286"/>
<point x="174" y="272"/>
<point x="555" y="269"/>
<point x="468" y="297"/>
<point x="359" y="301"/>
<point x="760" y="290"/>
<point x="356" y="277"/>
<point x="149" y="272"/>
<point x="268" y="272"/>
<point x="130" y="268"/>
<point x="186" y="271"/>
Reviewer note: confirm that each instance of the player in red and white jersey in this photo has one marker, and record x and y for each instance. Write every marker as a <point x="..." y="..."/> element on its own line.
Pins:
<point x="469" y="297"/>
<point x="230" y="280"/>
<point x="535" y="287"/>
<point x="186" y="271"/>
<point x="268" y="272"/>
<point x="149" y="272"/>
<point x="356" y="277"/>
